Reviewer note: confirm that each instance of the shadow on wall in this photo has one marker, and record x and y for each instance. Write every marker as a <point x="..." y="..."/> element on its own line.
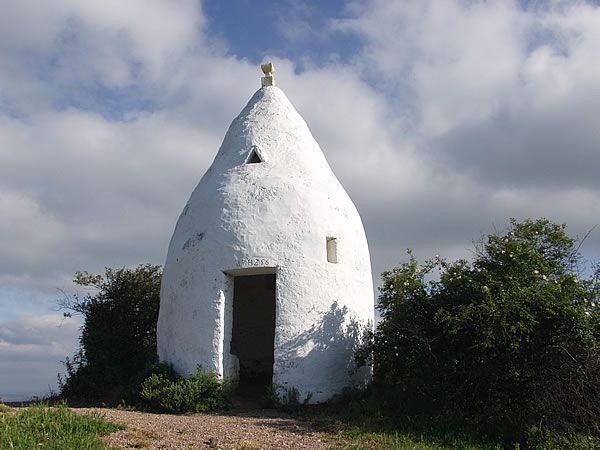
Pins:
<point x="326" y="353"/>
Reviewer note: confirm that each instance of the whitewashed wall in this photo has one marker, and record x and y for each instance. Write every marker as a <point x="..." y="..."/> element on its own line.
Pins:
<point x="271" y="217"/>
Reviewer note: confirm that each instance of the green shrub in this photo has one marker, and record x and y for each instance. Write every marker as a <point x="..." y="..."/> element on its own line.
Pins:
<point x="510" y="341"/>
<point x="54" y="428"/>
<point x="118" y="336"/>
<point x="132" y="393"/>
<point x="169" y="392"/>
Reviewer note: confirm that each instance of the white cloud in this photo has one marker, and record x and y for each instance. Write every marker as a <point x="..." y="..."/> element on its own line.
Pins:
<point x="31" y="351"/>
<point x="466" y="61"/>
<point x="58" y="52"/>
<point x="82" y="185"/>
<point x="108" y="35"/>
<point x="495" y="99"/>
<point x="494" y="96"/>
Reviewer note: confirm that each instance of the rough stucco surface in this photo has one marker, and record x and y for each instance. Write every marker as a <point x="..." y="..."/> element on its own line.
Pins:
<point x="270" y="217"/>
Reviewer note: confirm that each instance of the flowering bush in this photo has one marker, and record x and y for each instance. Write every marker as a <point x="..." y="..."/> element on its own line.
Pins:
<point x="511" y="339"/>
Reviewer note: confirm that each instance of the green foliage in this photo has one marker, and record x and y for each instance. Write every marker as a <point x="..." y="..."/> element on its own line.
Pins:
<point x="371" y="419"/>
<point x="52" y="428"/>
<point x="285" y="399"/>
<point x="118" y="337"/>
<point x="168" y="392"/>
<point x="132" y="393"/>
<point x="290" y="399"/>
<point x="511" y="340"/>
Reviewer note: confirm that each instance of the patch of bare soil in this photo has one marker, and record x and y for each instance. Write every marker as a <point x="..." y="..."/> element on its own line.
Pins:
<point x="249" y="429"/>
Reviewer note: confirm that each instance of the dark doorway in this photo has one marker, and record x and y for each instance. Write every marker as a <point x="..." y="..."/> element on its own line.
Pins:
<point x="253" y="332"/>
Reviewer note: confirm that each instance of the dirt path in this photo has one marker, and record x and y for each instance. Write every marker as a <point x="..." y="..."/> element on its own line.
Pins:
<point x="255" y="429"/>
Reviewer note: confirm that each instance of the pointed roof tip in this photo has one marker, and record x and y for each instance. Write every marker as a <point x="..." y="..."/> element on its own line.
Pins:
<point x="268" y="80"/>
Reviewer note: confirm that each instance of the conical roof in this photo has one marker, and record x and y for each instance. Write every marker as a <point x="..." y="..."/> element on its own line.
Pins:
<point x="270" y="126"/>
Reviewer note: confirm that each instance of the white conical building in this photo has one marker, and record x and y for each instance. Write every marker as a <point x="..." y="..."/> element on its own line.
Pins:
<point x="268" y="276"/>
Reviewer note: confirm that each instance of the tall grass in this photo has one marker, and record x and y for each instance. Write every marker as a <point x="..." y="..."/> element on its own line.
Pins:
<point x="44" y="427"/>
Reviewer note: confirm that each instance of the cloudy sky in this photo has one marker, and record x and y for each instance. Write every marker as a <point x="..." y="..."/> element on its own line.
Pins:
<point x="442" y="118"/>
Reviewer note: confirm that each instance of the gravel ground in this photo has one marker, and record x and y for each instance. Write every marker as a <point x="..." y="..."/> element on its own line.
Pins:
<point x="256" y="429"/>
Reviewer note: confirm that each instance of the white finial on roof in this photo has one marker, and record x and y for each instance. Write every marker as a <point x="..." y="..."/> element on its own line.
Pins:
<point x="268" y="80"/>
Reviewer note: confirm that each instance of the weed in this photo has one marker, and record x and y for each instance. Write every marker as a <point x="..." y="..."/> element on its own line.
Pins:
<point x="288" y="401"/>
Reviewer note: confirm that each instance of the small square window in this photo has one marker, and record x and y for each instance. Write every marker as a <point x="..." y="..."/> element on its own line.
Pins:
<point x="332" y="250"/>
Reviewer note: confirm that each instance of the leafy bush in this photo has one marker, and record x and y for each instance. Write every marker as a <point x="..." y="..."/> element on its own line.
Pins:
<point x="118" y="337"/>
<point x="511" y="340"/>
<point x="167" y="391"/>
<point x="132" y="392"/>
<point x="43" y="427"/>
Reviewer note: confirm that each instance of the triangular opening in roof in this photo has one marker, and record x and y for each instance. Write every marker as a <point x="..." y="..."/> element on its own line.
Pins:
<point x="254" y="157"/>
